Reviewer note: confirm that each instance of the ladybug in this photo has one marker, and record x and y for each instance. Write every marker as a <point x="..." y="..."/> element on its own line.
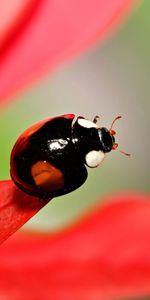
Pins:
<point x="50" y="158"/>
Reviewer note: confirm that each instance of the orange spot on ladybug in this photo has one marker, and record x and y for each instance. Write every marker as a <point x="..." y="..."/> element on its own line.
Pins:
<point x="47" y="176"/>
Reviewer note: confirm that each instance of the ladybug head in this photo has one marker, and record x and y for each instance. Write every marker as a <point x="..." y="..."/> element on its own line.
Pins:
<point x="93" y="141"/>
<point x="107" y="138"/>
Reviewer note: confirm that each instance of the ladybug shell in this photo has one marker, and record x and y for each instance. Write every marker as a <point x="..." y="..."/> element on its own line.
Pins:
<point x="44" y="162"/>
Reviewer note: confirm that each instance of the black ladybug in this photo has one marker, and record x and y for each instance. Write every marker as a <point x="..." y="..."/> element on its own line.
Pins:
<point x="49" y="159"/>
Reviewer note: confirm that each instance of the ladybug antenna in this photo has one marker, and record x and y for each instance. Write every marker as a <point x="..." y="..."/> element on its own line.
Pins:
<point x="115" y="146"/>
<point x="125" y="153"/>
<point x="112" y="124"/>
<point x="112" y="132"/>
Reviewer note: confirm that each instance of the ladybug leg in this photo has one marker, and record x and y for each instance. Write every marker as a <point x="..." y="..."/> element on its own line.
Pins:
<point x="96" y="119"/>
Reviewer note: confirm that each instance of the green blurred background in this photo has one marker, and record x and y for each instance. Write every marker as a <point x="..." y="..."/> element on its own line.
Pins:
<point x="109" y="80"/>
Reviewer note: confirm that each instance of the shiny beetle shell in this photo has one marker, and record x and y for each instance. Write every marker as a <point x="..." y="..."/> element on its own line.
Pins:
<point x="50" y="158"/>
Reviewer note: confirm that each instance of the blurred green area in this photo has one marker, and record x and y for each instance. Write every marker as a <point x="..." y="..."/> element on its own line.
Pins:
<point x="111" y="79"/>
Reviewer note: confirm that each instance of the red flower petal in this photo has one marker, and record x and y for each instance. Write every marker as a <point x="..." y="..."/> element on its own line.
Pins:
<point x="12" y="14"/>
<point x="103" y="257"/>
<point x="16" y="208"/>
<point x="55" y="31"/>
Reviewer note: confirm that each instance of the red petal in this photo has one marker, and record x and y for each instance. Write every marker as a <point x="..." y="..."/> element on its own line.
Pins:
<point x="12" y="14"/>
<point x="103" y="257"/>
<point x="55" y="30"/>
<point x="16" y="208"/>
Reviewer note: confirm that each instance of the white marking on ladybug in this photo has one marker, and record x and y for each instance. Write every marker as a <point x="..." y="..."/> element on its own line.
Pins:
<point x="57" y="145"/>
<point x="94" y="158"/>
<point x="86" y="123"/>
